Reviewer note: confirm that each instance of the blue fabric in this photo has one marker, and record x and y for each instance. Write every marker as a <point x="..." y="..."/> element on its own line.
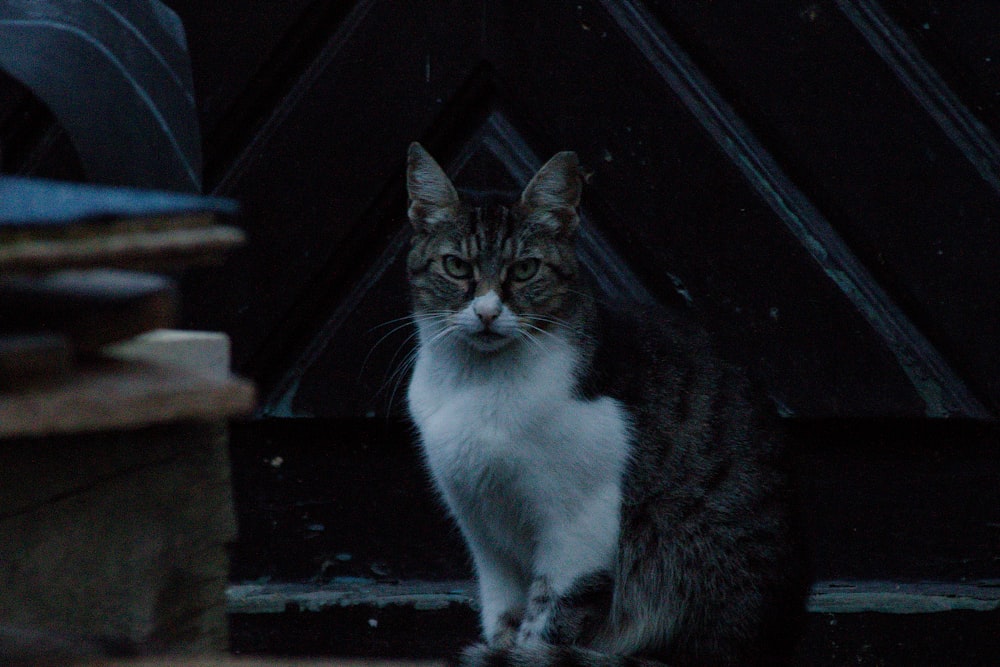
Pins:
<point x="37" y="202"/>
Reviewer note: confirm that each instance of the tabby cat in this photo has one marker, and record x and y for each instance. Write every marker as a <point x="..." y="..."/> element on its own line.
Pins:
<point x="618" y="485"/>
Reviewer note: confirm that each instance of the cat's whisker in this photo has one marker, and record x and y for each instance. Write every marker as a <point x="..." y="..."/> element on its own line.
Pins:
<point x="546" y="320"/>
<point x="526" y="336"/>
<point x="442" y="334"/>
<point x="540" y="330"/>
<point x="406" y="341"/>
<point x="528" y="321"/>
<point x="396" y="320"/>
<point x="408" y="318"/>
<point x="399" y="372"/>
<point x="408" y="362"/>
<point x="399" y="375"/>
<point x="397" y="323"/>
<point x="562" y="323"/>
<point x="399" y="327"/>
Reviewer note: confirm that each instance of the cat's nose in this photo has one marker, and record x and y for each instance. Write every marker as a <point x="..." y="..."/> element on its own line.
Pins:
<point x="487" y="308"/>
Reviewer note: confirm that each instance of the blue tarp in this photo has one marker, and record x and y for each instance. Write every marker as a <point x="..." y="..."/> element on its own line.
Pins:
<point x="33" y="202"/>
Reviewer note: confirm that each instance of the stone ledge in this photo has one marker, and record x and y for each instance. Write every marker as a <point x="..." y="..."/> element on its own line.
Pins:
<point x="277" y="598"/>
<point x="828" y="597"/>
<point x="890" y="597"/>
<point x="868" y="623"/>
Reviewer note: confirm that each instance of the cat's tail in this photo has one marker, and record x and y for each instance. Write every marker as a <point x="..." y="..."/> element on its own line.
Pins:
<point x="547" y="655"/>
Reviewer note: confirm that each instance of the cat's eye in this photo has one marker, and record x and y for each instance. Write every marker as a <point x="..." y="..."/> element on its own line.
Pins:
<point x="524" y="269"/>
<point x="456" y="267"/>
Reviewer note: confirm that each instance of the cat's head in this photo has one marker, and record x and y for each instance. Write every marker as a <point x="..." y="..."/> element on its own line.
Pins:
<point x="492" y="273"/>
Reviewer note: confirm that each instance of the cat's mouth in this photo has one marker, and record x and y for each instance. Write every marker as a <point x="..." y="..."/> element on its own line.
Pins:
<point x="488" y="340"/>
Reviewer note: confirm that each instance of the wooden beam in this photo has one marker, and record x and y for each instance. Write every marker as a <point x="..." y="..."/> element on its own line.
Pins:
<point x="144" y="384"/>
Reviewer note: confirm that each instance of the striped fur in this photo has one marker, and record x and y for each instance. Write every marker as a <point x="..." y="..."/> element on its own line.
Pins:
<point x="619" y="484"/>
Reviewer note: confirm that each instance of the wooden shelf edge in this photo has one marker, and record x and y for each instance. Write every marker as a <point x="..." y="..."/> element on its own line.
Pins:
<point x="119" y="394"/>
<point x="150" y="249"/>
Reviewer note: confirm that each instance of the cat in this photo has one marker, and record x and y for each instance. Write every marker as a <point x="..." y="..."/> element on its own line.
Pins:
<point x="620" y="487"/>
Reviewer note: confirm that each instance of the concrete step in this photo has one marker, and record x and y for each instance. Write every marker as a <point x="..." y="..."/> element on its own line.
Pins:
<point x="850" y="622"/>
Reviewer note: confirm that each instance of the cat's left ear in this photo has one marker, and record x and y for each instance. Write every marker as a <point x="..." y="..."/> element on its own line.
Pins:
<point x="553" y="195"/>
<point x="433" y="198"/>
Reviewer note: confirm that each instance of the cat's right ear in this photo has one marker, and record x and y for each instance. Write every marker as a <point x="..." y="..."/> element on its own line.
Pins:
<point x="433" y="198"/>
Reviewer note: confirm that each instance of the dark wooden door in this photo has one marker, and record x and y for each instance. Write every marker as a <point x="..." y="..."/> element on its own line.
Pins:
<point x="818" y="180"/>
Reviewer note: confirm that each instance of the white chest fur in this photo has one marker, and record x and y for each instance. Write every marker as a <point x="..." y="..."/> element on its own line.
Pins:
<point x="531" y="472"/>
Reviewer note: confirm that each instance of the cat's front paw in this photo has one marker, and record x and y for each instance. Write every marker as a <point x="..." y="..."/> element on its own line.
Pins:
<point x="528" y="637"/>
<point x="505" y="635"/>
<point x="537" y="615"/>
<point x="475" y="655"/>
<point x="505" y="638"/>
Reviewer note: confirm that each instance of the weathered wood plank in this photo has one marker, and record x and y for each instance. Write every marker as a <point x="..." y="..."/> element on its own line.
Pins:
<point x="139" y="387"/>
<point x="148" y="249"/>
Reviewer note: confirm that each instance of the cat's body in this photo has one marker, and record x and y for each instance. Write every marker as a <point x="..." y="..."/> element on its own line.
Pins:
<point x="617" y="486"/>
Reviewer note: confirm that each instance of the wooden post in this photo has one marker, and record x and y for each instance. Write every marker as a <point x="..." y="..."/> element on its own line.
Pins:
<point x="115" y="499"/>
